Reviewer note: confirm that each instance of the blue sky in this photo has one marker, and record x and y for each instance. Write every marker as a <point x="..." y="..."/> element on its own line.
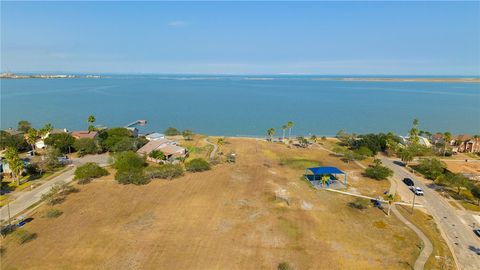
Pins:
<point x="403" y="38"/>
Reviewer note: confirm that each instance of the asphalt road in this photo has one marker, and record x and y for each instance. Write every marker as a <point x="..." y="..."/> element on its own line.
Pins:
<point x="28" y="198"/>
<point x="455" y="224"/>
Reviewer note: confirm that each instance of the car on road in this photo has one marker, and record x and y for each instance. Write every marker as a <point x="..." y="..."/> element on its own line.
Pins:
<point x="477" y="232"/>
<point x="409" y="182"/>
<point x="417" y="190"/>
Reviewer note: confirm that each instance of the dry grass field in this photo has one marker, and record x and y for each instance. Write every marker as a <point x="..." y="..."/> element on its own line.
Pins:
<point x="227" y="218"/>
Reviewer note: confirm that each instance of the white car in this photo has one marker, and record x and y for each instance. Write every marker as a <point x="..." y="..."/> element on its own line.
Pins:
<point x="418" y="191"/>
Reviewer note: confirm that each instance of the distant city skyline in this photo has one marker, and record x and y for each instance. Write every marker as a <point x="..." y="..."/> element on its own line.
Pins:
<point x="244" y="38"/>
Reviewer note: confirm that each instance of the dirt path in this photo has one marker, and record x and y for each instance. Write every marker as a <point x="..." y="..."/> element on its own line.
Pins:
<point x="427" y="244"/>
<point x="215" y="148"/>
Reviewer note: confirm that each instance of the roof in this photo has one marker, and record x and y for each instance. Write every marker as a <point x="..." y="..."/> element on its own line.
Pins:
<point x="154" y="136"/>
<point x="84" y="134"/>
<point x="437" y="136"/>
<point x="152" y="145"/>
<point x="463" y="137"/>
<point x="325" y="170"/>
<point x="12" y="131"/>
<point x="170" y="149"/>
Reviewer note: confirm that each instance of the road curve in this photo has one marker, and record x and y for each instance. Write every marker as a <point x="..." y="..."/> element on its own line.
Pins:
<point x="28" y="198"/>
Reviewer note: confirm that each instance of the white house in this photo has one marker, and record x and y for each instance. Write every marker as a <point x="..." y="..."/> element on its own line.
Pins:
<point x="421" y="140"/>
<point x="40" y="143"/>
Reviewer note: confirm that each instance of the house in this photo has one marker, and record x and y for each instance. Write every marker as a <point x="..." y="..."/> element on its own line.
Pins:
<point x="437" y="138"/>
<point x="40" y="143"/>
<point x="155" y="136"/>
<point x="84" y="134"/>
<point x="13" y="131"/>
<point x="167" y="147"/>
<point x="421" y="140"/>
<point x="469" y="146"/>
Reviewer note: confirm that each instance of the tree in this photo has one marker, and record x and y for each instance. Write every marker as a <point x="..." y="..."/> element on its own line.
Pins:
<point x="171" y="131"/>
<point x="476" y="193"/>
<point x="197" y="165"/>
<point x="24" y="126"/>
<point x="284" y="127"/>
<point x="378" y="172"/>
<point x="220" y="142"/>
<point x="124" y="144"/>
<point x="290" y="125"/>
<point x="15" y="163"/>
<point x="364" y="151"/>
<point x="51" y="158"/>
<point x="85" y="146"/>
<point x="91" y="120"/>
<point x="302" y="141"/>
<point x="113" y="136"/>
<point x="89" y="171"/>
<point x="414" y="136"/>
<point x="187" y="134"/>
<point x="447" y="137"/>
<point x="128" y="160"/>
<point x="129" y="168"/>
<point x="313" y="138"/>
<point x="431" y="168"/>
<point x="406" y="155"/>
<point x="457" y="181"/>
<point x="45" y="130"/>
<point x="270" y="133"/>
<point x="32" y="137"/>
<point x="61" y="141"/>
<point x="16" y="141"/>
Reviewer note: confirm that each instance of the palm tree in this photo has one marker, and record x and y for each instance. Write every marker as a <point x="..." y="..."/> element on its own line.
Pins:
<point x="220" y="143"/>
<point x="284" y="127"/>
<point x="290" y="126"/>
<point x="447" y="137"/>
<point x="46" y="129"/>
<point x="14" y="162"/>
<point x="270" y="133"/>
<point x="414" y="132"/>
<point x="91" y="119"/>
<point x="31" y="137"/>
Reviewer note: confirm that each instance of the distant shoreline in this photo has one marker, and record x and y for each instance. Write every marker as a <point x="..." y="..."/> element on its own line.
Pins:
<point x="392" y="79"/>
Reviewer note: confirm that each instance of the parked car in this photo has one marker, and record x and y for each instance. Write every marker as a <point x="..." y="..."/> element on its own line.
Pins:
<point x="477" y="232"/>
<point x="409" y="182"/>
<point x="417" y="190"/>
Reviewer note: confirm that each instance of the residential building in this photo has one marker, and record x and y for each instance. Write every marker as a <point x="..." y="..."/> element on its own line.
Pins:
<point x="84" y="134"/>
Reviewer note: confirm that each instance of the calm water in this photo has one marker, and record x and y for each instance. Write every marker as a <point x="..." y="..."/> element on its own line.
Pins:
<point x="243" y="106"/>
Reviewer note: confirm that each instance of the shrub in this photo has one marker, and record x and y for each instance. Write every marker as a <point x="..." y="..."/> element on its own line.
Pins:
<point x="284" y="266"/>
<point x="165" y="171"/>
<point x="52" y="213"/>
<point x="197" y="165"/>
<point x="128" y="160"/>
<point x="378" y="172"/>
<point x="359" y="203"/>
<point x="156" y="154"/>
<point x="23" y="236"/>
<point x="134" y="176"/>
<point x="89" y="171"/>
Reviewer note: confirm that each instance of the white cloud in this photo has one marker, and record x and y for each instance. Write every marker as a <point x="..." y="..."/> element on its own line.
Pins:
<point x="177" y="23"/>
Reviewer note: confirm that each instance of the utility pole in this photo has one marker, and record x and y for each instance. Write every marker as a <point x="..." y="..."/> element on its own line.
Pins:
<point x="413" y="203"/>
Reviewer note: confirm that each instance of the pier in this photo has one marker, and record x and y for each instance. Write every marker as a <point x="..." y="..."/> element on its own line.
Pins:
<point x="137" y="122"/>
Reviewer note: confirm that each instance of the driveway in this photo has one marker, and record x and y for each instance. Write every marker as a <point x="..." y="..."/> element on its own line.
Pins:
<point x="29" y="198"/>
<point x="455" y="224"/>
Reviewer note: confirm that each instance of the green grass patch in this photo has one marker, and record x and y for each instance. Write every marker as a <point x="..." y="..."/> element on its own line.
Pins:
<point x="470" y="206"/>
<point x="299" y="163"/>
<point x="23" y="236"/>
